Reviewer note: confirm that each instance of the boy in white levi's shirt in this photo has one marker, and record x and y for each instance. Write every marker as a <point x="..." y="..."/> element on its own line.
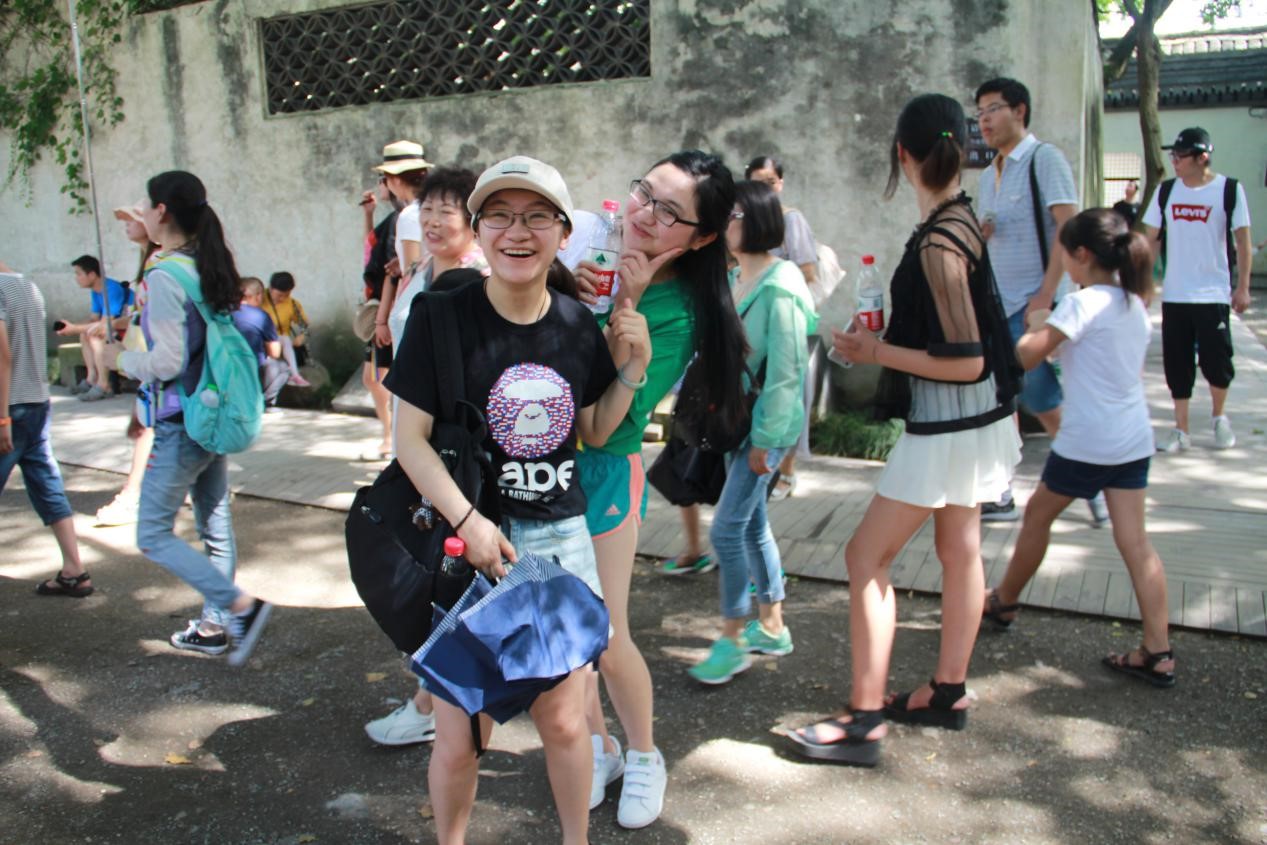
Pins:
<point x="1105" y="442"/>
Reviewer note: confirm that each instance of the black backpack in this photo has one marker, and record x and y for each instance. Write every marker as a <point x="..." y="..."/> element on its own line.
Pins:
<point x="1229" y="205"/>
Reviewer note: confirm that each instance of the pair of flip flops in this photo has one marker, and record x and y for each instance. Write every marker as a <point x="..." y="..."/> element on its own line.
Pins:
<point x="62" y="586"/>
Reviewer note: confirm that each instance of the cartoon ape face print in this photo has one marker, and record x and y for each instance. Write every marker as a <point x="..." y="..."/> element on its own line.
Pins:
<point x="530" y="410"/>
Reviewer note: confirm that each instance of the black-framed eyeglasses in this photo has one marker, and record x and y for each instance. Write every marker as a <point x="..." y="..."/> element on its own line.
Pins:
<point x="663" y="214"/>
<point x="989" y="110"/>
<point x="535" y="220"/>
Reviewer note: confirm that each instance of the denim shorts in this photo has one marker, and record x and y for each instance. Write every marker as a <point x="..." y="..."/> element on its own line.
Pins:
<point x="1040" y="388"/>
<point x="567" y="539"/>
<point x="33" y="453"/>
<point x="615" y="487"/>
<point x="1080" y="480"/>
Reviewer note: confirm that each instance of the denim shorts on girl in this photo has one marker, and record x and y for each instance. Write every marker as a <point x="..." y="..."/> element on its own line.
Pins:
<point x="1083" y="481"/>
<point x="615" y="487"/>
<point x="567" y="539"/>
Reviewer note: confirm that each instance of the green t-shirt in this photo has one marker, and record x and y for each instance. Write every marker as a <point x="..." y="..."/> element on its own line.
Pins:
<point x="667" y="308"/>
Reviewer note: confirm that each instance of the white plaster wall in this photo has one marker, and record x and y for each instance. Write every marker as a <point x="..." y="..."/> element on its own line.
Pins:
<point x="818" y="82"/>
<point x="1240" y="150"/>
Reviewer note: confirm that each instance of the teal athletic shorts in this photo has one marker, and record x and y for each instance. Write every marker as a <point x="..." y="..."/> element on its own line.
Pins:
<point x="612" y="484"/>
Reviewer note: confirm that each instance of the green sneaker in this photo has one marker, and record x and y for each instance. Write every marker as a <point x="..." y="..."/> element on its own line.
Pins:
<point x="760" y="642"/>
<point x="676" y="566"/>
<point x="726" y="659"/>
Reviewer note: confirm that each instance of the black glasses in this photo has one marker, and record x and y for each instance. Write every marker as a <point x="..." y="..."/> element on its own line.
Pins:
<point x="663" y="214"/>
<point x="535" y="220"/>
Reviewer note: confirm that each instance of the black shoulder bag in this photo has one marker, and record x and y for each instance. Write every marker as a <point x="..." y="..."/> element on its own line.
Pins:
<point x="395" y="538"/>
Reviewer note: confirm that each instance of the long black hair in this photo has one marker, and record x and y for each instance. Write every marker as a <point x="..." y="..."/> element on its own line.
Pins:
<point x="720" y="343"/>
<point x="185" y="199"/>
<point x="1104" y="233"/>
<point x="933" y="130"/>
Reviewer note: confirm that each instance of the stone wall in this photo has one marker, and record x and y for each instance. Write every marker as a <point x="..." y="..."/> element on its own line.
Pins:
<point x="817" y="82"/>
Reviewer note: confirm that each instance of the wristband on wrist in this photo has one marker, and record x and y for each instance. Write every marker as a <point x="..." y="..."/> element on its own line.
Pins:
<point x="463" y="520"/>
<point x="632" y="385"/>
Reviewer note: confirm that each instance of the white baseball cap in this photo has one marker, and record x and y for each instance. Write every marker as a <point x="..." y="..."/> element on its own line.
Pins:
<point x="524" y="173"/>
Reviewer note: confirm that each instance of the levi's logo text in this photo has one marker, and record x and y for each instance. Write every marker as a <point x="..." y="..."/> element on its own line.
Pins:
<point x="1194" y="213"/>
<point x="530" y="413"/>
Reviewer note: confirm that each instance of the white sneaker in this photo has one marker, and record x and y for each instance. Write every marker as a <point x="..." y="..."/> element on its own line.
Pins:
<point x="1179" y="442"/>
<point x="1099" y="510"/>
<point x="1224" y="437"/>
<point x="607" y="768"/>
<point x="642" y="794"/>
<point x="403" y="726"/>
<point x="122" y="510"/>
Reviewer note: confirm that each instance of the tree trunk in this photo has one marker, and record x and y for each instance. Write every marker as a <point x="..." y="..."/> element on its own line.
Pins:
<point x="1148" y="66"/>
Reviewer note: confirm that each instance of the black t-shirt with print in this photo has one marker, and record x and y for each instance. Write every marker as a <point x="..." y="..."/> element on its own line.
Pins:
<point x="530" y="382"/>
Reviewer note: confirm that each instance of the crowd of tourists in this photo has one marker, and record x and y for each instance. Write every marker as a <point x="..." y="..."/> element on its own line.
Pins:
<point x="715" y="280"/>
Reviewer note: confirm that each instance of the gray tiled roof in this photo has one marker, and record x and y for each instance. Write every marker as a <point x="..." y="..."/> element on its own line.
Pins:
<point x="1218" y="78"/>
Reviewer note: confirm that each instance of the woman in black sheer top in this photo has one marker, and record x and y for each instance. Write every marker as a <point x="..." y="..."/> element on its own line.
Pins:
<point x="951" y="373"/>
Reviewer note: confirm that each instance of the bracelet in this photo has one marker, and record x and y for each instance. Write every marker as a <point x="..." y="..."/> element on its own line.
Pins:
<point x="463" y="520"/>
<point x="632" y="385"/>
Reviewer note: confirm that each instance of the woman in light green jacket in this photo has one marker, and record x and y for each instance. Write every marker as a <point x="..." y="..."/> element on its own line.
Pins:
<point x="778" y="314"/>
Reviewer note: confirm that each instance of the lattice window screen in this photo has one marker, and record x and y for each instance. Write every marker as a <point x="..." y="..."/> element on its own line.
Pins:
<point x="1123" y="166"/>
<point x="407" y="50"/>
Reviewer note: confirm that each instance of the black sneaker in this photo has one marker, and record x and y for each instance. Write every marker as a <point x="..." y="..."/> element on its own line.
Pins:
<point x="1000" y="511"/>
<point x="191" y="639"/>
<point x="246" y="629"/>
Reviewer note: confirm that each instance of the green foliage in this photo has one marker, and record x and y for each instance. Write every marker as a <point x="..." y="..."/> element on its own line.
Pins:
<point x="39" y="97"/>
<point x="1213" y="10"/>
<point x="854" y="435"/>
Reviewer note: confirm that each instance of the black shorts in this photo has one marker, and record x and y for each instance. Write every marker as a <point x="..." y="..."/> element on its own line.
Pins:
<point x="1082" y="480"/>
<point x="1195" y="333"/>
<point x="380" y="355"/>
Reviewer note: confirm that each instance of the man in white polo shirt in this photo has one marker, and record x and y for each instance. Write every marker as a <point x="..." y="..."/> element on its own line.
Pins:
<point x="1197" y="292"/>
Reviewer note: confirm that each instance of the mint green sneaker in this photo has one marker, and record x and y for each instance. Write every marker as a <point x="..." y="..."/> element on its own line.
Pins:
<point x="698" y="566"/>
<point x="726" y="659"/>
<point x="760" y="642"/>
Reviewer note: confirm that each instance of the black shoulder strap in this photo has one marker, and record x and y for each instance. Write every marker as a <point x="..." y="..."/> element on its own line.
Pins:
<point x="447" y="347"/>
<point x="1036" y="196"/>
<point x="1229" y="205"/>
<point x="1163" y="197"/>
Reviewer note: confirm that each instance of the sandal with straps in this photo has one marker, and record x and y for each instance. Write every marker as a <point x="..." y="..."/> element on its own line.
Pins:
<point x="63" y="586"/>
<point x="994" y="610"/>
<point x="1147" y="671"/>
<point x="940" y="712"/>
<point x="851" y="749"/>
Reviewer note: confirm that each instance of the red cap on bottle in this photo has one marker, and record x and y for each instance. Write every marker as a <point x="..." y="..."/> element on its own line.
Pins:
<point x="611" y="205"/>
<point x="868" y="259"/>
<point x="454" y="547"/>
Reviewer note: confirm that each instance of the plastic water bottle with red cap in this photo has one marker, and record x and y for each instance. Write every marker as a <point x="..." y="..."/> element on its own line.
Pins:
<point x="605" y="247"/>
<point x="454" y="562"/>
<point x="865" y="299"/>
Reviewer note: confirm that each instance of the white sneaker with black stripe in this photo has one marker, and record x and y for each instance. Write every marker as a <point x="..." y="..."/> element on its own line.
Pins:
<point x="245" y="630"/>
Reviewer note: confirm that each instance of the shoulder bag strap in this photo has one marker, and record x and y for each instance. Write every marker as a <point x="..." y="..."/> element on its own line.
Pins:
<point x="447" y="348"/>
<point x="1163" y="197"/>
<point x="1229" y="205"/>
<point x="1036" y="196"/>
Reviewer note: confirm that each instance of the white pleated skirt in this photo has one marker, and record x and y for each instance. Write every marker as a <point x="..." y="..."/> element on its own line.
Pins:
<point x="960" y="468"/>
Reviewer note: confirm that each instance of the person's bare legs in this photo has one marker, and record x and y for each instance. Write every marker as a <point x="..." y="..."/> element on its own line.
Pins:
<point x="595" y="719"/>
<point x="1218" y="400"/>
<point x="1050" y="421"/>
<point x="453" y="771"/>
<point x="623" y="668"/>
<point x="64" y="532"/>
<point x="1031" y="545"/>
<point x="1181" y="413"/>
<point x="372" y="378"/>
<point x="1145" y="568"/>
<point x="288" y="354"/>
<point x="141" y="445"/>
<point x="560" y="717"/>
<point x="422" y="701"/>
<point x="94" y="349"/>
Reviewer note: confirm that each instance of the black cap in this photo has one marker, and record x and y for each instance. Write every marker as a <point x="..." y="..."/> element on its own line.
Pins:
<point x="1194" y="139"/>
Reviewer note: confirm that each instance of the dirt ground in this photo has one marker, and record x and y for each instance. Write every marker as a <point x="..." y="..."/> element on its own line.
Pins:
<point x="107" y="734"/>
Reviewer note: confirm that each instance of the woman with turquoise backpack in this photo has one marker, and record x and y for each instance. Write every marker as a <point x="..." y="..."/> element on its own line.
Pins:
<point x="193" y="273"/>
<point x="778" y="314"/>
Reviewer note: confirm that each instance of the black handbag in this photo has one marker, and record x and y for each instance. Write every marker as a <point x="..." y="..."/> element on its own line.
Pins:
<point x="395" y="539"/>
<point x="688" y="475"/>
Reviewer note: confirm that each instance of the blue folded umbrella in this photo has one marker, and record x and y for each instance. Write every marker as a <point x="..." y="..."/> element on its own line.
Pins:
<point x="500" y="646"/>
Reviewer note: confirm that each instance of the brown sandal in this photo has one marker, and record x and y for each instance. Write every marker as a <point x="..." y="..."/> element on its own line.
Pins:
<point x="63" y="586"/>
<point x="1146" y="671"/>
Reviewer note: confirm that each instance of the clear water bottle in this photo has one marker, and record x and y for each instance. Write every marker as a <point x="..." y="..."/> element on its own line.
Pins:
<point x="454" y="562"/>
<point x="871" y="295"/>
<point x="864" y="298"/>
<point x="605" y="247"/>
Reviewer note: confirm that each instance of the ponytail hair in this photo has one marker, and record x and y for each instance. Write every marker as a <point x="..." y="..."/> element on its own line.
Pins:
<point x="933" y="131"/>
<point x="1104" y="233"/>
<point x="184" y="197"/>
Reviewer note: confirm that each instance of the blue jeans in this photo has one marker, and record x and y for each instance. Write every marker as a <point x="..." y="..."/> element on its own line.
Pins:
<point x="1040" y="388"/>
<point x="741" y="536"/>
<point x="33" y="452"/>
<point x="568" y="539"/>
<point x="178" y="466"/>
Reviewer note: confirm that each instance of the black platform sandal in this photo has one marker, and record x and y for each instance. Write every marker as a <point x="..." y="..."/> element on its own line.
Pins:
<point x="939" y="713"/>
<point x="63" y="586"/>
<point x="994" y="610"/>
<point x="1148" y="670"/>
<point x="851" y="749"/>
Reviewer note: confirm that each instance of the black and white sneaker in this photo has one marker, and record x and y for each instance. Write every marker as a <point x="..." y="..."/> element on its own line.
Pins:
<point x="246" y="629"/>
<point x="999" y="511"/>
<point x="191" y="639"/>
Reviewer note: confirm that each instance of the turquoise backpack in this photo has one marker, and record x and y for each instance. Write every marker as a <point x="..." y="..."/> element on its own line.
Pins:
<point x="226" y="410"/>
